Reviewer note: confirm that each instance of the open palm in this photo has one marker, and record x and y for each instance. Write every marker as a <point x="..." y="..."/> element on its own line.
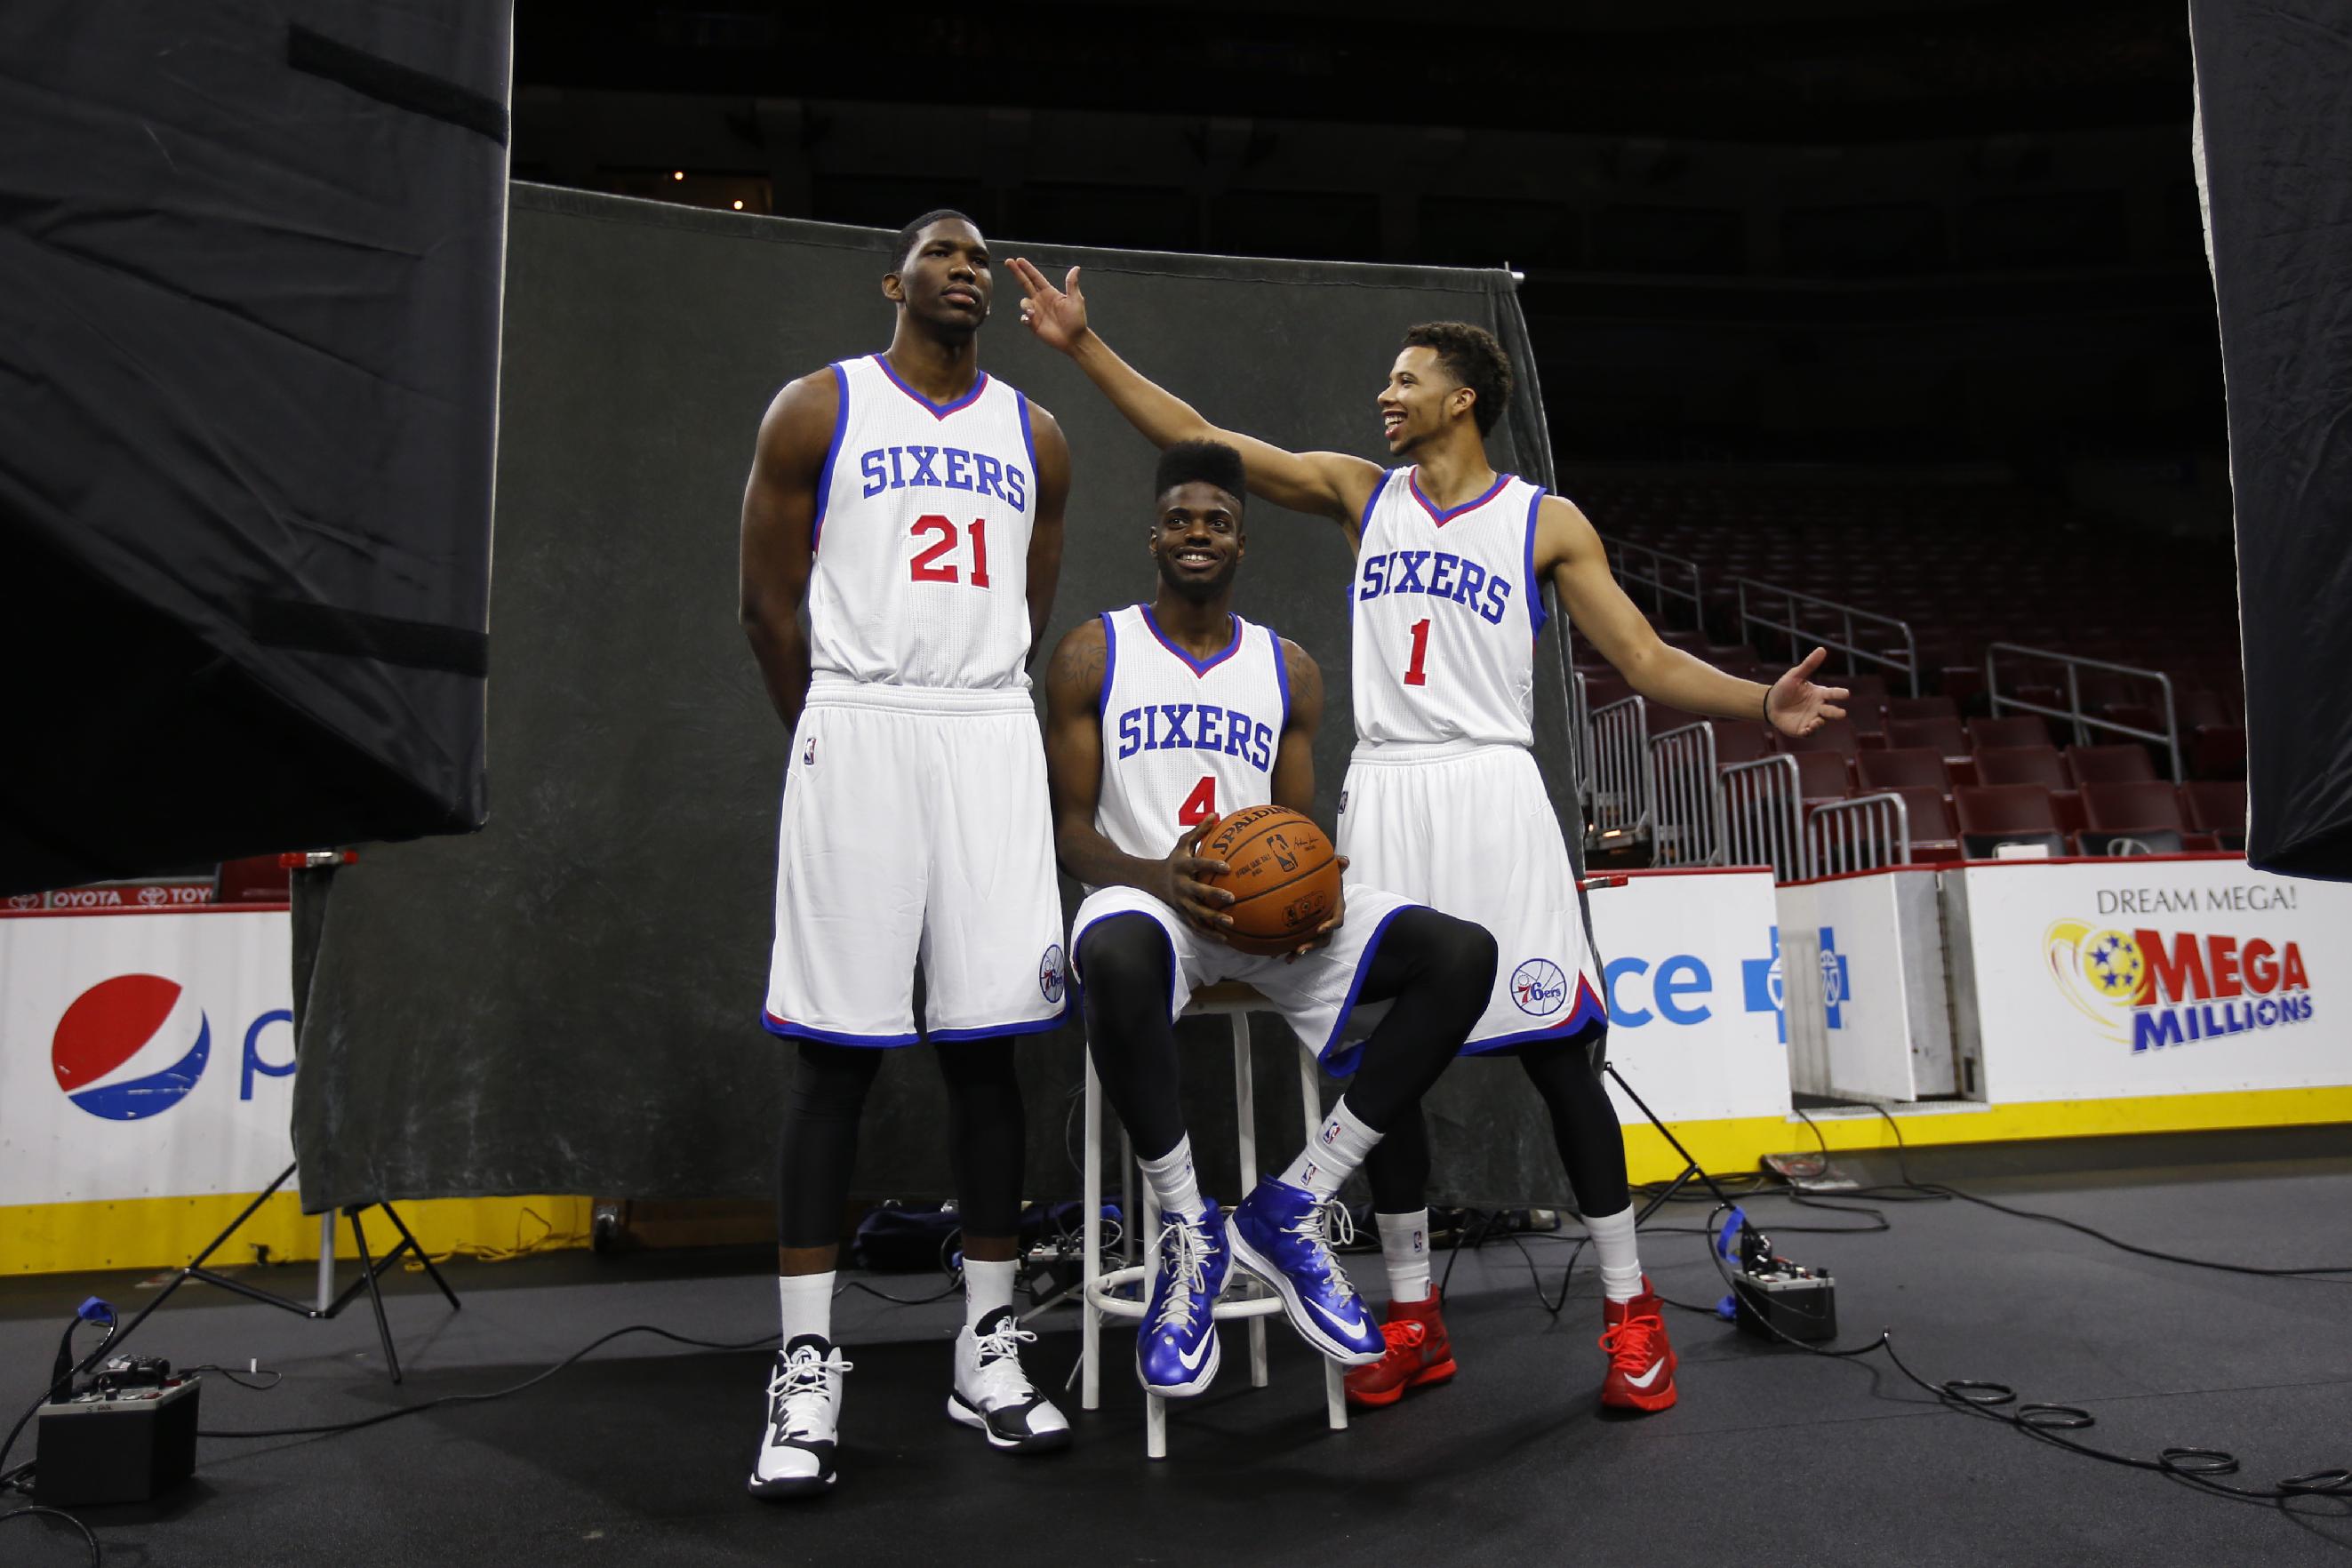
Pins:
<point x="1058" y="316"/>
<point x="1797" y="706"/>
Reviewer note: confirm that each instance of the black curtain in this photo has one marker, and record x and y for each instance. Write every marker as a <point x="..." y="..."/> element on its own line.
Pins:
<point x="249" y="263"/>
<point x="2274" y="112"/>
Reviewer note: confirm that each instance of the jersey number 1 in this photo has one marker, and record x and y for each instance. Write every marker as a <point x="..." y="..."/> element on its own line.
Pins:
<point x="1201" y="805"/>
<point x="1414" y="675"/>
<point x="921" y="568"/>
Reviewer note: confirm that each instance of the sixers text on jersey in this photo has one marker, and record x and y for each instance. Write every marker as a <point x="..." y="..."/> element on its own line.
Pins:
<point x="1441" y="575"/>
<point x="1203" y="726"/>
<point x="941" y="467"/>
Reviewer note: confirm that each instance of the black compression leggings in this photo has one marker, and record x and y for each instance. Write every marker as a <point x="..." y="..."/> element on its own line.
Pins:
<point x="985" y="1137"/>
<point x="1566" y="1075"/>
<point x="1434" y="970"/>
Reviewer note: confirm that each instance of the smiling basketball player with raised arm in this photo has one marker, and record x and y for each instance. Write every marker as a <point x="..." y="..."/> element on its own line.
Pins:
<point x="915" y="505"/>
<point x="1443" y="803"/>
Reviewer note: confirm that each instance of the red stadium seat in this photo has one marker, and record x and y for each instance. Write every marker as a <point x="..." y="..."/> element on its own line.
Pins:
<point x="1945" y="735"/>
<point x="261" y="880"/>
<point x="1922" y="707"/>
<point x="2138" y="817"/>
<point x="1993" y="814"/>
<point x="1830" y="737"/>
<point x="2012" y="730"/>
<point x="2126" y="764"/>
<point x="1915" y="767"/>
<point x="1934" y="834"/>
<point x="2216" y="752"/>
<point x="2217" y="806"/>
<point x="1822" y="775"/>
<point x="1737" y="741"/>
<point x="2035" y="764"/>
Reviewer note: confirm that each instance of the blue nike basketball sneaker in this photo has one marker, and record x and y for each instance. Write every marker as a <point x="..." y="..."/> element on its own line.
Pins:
<point x="1176" y="1350"/>
<point x="1277" y="1235"/>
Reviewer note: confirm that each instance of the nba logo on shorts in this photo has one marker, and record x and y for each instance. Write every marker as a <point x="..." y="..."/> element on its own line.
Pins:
<point x="131" y="1047"/>
<point x="1539" y="988"/>
<point x="808" y="755"/>
<point x="1049" y="974"/>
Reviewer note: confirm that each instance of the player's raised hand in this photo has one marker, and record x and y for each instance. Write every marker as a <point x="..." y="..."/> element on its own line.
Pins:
<point x="1797" y="707"/>
<point x="1058" y="316"/>
<point x="1200" y="903"/>
<point x="1323" y="933"/>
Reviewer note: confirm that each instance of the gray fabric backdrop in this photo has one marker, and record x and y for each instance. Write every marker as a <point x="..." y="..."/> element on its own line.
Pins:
<point x="568" y="1000"/>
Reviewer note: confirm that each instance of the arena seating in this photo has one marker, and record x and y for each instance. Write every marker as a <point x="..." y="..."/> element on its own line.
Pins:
<point x="1965" y="561"/>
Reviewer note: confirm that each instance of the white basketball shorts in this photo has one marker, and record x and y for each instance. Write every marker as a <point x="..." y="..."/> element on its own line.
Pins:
<point x="1468" y="830"/>
<point x="914" y="826"/>
<point x="1315" y="994"/>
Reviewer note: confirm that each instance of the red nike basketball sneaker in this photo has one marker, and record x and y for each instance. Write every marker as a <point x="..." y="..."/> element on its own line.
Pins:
<point x="1641" y="1360"/>
<point x="1418" y="1354"/>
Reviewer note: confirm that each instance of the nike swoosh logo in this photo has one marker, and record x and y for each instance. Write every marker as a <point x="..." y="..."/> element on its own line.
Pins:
<point x="1648" y="1377"/>
<point x="1200" y="1354"/>
<point x="1353" y="1324"/>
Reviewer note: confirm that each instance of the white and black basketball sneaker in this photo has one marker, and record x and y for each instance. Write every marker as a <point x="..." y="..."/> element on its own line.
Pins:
<point x="994" y="1395"/>
<point x="795" y="1457"/>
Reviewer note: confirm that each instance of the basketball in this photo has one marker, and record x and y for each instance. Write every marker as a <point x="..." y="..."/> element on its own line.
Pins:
<point x="1282" y="872"/>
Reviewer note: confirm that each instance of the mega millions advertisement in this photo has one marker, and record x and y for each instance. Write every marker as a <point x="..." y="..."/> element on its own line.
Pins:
<point x="2154" y="976"/>
<point x="1691" y="964"/>
<point x="143" y="1055"/>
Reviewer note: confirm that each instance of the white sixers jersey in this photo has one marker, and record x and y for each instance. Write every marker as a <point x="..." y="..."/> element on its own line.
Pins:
<point x="1447" y="612"/>
<point x="922" y="534"/>
<point x="1185" y="738"/>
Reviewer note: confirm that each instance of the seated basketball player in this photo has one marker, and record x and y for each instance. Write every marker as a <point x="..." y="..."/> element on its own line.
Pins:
<point x="1159" y="717"/>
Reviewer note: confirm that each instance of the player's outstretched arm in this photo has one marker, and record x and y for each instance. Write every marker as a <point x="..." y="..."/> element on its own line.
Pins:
<point x="1045" y="527"/>
<point x="1567" y="547"/>
<point x="1074" y="763"/>
<point x="780" y="502"/>
<point x="1325" y="484"/>
<point x="1293" y="762"/>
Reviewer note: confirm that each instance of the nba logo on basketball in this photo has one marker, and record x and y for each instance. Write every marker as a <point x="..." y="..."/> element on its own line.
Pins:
<point x="130" y="1047"/>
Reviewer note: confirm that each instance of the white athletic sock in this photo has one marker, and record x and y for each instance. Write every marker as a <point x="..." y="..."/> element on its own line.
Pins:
<point x="1340" y="1146"/>
<point x="1404" y="1248"/>
<point x="987" y="1289"/>
<point x="807" y="1302"/>
<point x="1173" y="1182"/>
<point x="1612" y="1243"/>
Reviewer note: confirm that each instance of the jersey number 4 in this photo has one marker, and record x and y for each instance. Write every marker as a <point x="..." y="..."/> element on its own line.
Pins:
<point x="921" y="570"/>
<point x="1201" y="805"/>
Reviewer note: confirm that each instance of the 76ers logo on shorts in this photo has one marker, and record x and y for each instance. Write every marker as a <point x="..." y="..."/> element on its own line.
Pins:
<point x="1539" y="988"/>
<point x="1049" y="973"/>
<point x="131" y="1047"/>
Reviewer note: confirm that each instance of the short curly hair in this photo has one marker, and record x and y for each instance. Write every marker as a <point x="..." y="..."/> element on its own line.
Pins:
<point x="1208" y="462"/>
<point x="914" y="231"/>
<point x="1474" y="360"/>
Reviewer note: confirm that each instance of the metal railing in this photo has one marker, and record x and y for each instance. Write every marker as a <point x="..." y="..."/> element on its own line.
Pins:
<point x="1579" y="738"/>
<point x="1858" y="834"/>
<point x="1687" y="798"/>
<point x="2074" y="665"/>
<point x="1668" y="577"/>
<point x="1760" y="600"/>
<point x="1763" y="816"/>
<point x="1621" y="773"/>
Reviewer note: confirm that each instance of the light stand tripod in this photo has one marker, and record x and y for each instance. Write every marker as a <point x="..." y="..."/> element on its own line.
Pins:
<point x="370" y="1269"/>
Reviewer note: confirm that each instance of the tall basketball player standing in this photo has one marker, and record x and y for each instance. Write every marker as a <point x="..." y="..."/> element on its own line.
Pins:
<point x="914" y="505"/>
<point x="1442" y="800"/>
